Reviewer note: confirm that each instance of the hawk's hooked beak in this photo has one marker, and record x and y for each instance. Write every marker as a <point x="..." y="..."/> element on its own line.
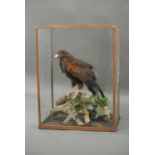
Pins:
<point x="56" y="56"/>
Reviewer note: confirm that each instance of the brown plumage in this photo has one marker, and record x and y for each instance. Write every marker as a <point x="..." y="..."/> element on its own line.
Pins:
<point x="79" y="72"/>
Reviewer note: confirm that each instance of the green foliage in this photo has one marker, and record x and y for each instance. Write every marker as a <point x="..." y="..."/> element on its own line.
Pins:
<point x="89" y="105"/>
<point x="96" y="103"/>
<point x="99" y="100"/>
<point x="103" y="101"/>
<point x="77" y="102"/>
<point x="99" y="111"/>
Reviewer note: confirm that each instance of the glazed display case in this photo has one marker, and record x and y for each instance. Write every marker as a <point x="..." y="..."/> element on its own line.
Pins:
<point x="95" y="49"/>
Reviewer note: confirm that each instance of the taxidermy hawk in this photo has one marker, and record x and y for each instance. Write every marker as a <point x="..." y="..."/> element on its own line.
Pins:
<point x="79" y="72"/>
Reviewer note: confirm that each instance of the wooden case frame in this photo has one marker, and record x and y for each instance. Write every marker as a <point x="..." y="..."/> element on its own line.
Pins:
<point x="115" y="119"/>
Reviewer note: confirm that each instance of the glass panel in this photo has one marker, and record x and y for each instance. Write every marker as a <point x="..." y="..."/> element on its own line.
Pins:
<point x="45" y="72"/>
<point x="91" y="45"/>
<point x="117" y="74"/>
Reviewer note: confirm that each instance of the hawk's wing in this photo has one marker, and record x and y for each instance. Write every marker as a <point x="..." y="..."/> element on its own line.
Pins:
<point x="82" y="70"/>
<point x="82" y="63"/>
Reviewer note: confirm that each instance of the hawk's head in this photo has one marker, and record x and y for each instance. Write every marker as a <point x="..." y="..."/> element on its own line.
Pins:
<point x="62" y="54"/>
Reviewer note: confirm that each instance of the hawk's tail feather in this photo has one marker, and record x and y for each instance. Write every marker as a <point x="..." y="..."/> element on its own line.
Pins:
<point x="92" y="90"/>
<point x="96" y="90"/>
<point x="100" y="90"/>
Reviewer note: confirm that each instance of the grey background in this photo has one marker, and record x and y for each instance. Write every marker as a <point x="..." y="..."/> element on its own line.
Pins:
<point x="75" y="12"/>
